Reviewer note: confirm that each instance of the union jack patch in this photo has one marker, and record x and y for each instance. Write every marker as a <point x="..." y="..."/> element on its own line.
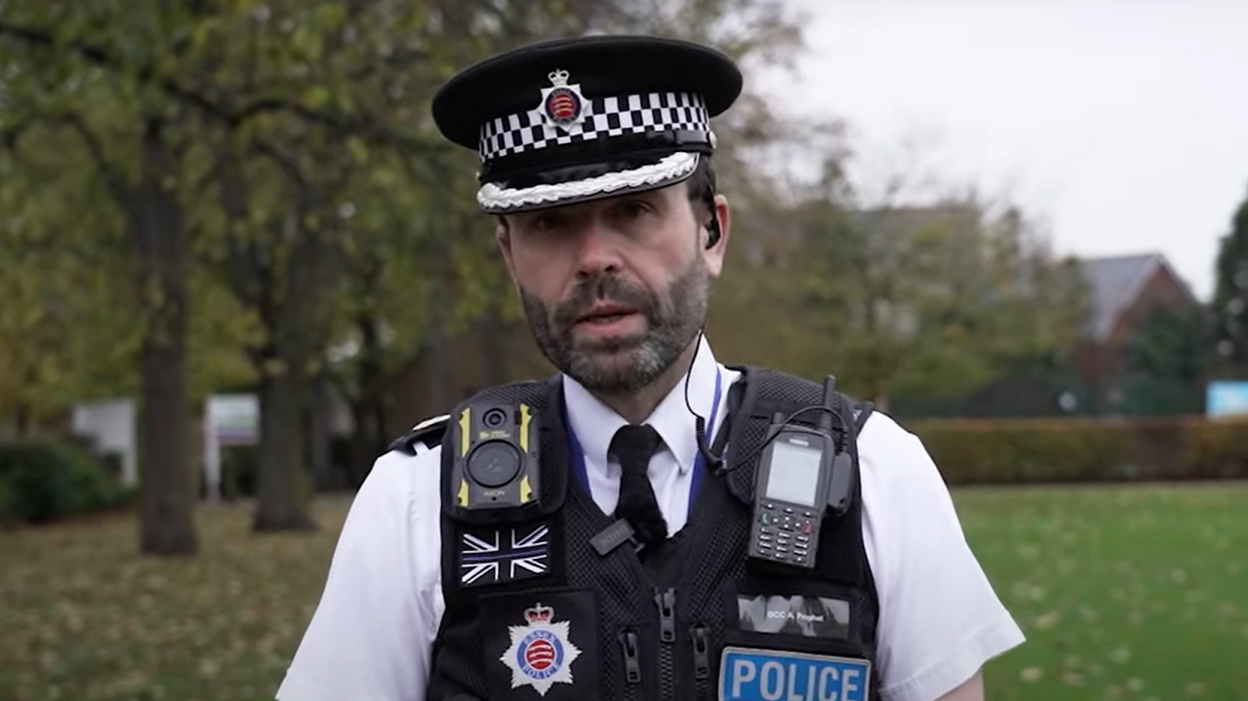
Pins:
<point x="504" y="554"/>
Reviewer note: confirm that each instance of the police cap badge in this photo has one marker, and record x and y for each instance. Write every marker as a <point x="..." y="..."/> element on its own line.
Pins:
<point x="577" y="119"/>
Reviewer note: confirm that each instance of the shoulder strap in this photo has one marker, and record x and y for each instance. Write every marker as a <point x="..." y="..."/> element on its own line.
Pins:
<point x="430" y="432"/>
<point x="759" y="396"/>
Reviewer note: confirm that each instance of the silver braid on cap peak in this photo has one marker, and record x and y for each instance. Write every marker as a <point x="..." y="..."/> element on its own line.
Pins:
<point x="494" y="198"/>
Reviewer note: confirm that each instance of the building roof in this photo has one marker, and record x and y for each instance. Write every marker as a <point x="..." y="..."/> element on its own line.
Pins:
<point x="1114" y="282"/>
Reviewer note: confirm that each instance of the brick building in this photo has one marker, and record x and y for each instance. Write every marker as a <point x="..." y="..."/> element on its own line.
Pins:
<point x="1124" y="290"/>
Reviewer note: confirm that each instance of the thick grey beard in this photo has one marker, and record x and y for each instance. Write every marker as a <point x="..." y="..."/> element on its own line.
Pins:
<point x="673" y="319"/>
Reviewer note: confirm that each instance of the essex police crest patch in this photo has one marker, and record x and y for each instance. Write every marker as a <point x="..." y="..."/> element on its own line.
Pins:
<point x="562" y="105"/>
<point x="540" y="654"/>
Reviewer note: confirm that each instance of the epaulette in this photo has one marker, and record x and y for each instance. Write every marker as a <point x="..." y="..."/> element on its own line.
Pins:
<point x="862" y="412"/>
<point x="429" y="432"/>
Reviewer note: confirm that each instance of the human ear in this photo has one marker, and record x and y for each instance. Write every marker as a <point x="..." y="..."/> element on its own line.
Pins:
<point x="502" y="236"/>
<point x="714" y="252"/>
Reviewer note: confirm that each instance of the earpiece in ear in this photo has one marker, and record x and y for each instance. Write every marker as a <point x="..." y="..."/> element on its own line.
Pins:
<point x="712" y="232"/>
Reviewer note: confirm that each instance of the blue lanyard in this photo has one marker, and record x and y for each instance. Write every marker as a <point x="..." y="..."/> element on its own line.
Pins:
<point x="577" y="456"/>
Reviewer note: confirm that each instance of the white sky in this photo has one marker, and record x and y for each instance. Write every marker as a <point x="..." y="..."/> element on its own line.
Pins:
<point x="1121" y="124"/>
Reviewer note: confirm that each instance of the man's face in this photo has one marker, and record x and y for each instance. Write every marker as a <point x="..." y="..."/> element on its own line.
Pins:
<point x="616" y="289"/>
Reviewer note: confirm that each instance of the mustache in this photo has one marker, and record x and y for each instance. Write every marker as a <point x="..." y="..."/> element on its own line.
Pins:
<point x="605" y="287"/>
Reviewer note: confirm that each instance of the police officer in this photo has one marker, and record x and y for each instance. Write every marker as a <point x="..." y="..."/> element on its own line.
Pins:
<point x="645" y="543"/>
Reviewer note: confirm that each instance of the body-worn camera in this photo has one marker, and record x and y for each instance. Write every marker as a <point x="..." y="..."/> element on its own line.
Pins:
<point x="496" y="457"/>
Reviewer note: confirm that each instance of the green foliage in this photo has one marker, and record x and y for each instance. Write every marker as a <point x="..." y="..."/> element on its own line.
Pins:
<point x="1171" y="345"/>
<point x="927" y="300"/>
<point x="270" y="182"/>
<point x="73" y="111"/>
<point x="1079" y="450"/>
<point x="1230" y="299"/>
<point x="320" y="112"/>
<point x="1168" y="363"/>
<point x="45" y="480"/>
<point x="64" y="329"/>
<point x="220" y="332"/>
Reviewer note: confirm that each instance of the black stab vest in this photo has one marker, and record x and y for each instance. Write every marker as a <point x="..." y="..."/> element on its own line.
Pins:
<point x="535" y="613"/>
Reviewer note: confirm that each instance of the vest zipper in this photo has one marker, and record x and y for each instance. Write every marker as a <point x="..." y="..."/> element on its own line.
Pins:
<point x="632" y="667"/>
<point x="701" y="659"/>
<point x="667" y="636"/>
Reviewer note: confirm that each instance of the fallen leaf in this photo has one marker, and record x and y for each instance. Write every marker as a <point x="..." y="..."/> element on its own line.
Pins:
<point x="1047" y="620"/>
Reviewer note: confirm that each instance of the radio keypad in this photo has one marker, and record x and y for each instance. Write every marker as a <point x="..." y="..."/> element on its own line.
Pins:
<point x="784" y="534"/>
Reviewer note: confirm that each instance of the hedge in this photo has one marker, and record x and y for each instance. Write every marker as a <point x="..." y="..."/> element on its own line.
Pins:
<point x="1085" y="450"/>
<point x="47" y="479"/>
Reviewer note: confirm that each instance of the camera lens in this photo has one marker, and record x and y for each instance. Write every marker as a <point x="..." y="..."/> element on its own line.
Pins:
<point x="494" y="464"/>
<point x="495" y="418"/>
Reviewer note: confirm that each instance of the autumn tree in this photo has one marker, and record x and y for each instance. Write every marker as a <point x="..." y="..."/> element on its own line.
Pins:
<point x="64" y="333"/>
<point x="930" y="298"/>
<point x="274" y="163"/>
<point x="159" y="86"/>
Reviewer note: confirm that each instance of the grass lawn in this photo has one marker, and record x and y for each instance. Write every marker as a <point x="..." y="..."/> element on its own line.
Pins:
<point x="1124" y="593"/>
<point x="1136" y="592"/>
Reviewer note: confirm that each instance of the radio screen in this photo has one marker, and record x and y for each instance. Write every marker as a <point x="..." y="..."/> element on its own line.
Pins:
<point x="794" y="474"/>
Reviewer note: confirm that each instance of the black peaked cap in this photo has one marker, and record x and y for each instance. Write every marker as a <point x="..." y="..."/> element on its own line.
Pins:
<point x="603" y="65"/>
<point x="576" y="119"/>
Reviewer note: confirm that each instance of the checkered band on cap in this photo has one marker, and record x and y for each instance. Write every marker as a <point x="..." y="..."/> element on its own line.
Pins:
<point x="604" y="117"/>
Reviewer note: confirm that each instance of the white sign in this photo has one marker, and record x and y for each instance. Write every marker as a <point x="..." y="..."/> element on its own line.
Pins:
<point x="234" y="418"/>
<point x="229" y="419"/>
<point x="111" y="427"/>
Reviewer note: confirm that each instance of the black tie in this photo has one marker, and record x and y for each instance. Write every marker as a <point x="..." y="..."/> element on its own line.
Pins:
<point x="634" y="445"/>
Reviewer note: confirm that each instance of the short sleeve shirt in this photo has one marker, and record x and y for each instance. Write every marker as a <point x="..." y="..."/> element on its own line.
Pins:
<point x="371" y="636"/>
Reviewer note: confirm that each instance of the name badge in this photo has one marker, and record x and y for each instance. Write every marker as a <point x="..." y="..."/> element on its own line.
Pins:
<point x="747" y="674"/>
<point x="807" y="616"/>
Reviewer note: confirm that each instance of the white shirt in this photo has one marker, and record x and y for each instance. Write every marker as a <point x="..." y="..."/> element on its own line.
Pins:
<point x="372" y="632"/>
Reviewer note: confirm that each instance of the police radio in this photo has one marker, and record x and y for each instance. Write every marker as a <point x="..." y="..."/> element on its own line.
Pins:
<point x="802" y="474"/>
<point x="496" y="457"/>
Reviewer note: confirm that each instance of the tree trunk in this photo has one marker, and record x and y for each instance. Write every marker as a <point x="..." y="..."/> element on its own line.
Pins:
<point x="286" y="387"/>
<point x="319" y="437"/>
<point x="368" y="412"/>
<point x="362" y="457"/>
<point x="283" y="454"/>
<point x="167" y="488"/>
<point x="370" y="439"/>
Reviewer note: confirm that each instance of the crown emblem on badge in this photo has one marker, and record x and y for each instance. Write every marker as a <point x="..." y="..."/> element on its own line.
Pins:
<point x="539" y="613"/>
<point x="541" y="651"/>
<point x="563" y="105"/>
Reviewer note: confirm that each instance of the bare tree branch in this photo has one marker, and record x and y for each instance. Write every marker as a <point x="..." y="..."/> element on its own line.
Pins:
<point x="115" y="182"/>
<point x="288" y="166"/>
